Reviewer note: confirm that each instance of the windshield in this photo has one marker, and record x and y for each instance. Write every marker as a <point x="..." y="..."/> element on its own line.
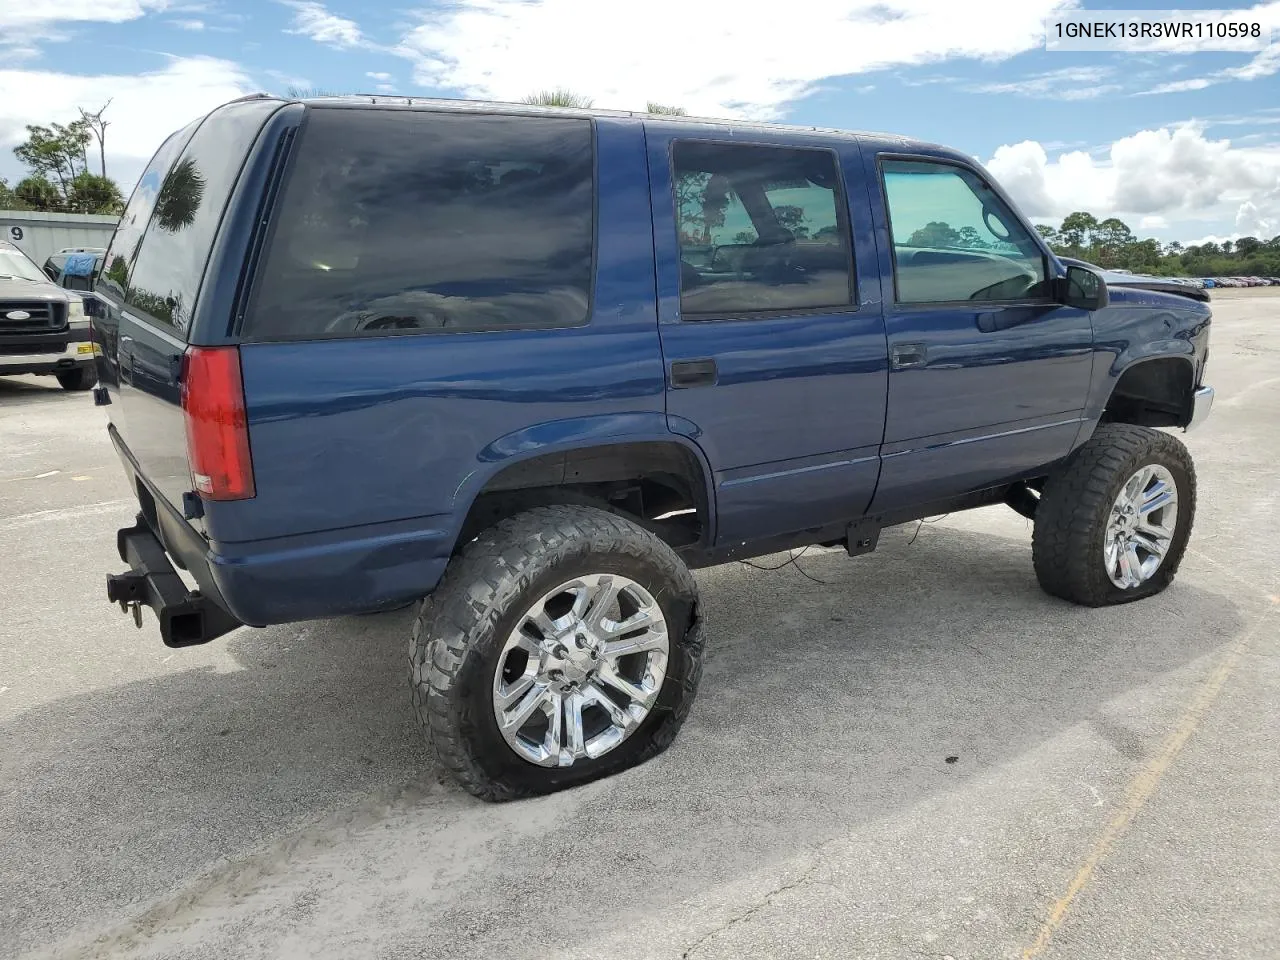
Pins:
<point x="16" y="265"/>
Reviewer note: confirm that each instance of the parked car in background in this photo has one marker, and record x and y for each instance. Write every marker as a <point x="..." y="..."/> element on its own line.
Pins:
<point x="55" y="264"/>
<point x="534" y="365"/>
<point x="43" y="328"/>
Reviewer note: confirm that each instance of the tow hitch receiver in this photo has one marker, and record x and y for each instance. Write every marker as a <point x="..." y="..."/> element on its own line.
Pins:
<point x="186" y="617"/>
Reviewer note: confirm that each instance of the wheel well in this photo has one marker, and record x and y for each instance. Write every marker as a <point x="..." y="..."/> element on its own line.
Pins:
<point x="1154" y="393"/>
<point x="660" y="485"/>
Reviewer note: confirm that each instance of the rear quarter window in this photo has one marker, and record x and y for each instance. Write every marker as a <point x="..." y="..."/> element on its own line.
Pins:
<point x="187" y="211"/>
<point x="398" y="222"/>
<point x="126" y="242"/>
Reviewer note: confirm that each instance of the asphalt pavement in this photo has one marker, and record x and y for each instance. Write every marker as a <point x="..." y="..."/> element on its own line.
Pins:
<point x="922" y="755"/>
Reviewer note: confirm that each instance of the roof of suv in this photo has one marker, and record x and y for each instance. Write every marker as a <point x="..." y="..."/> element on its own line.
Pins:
<point x="528" y="109"/>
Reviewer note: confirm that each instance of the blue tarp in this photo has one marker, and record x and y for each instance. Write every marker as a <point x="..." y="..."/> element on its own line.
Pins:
<point x="79" y="265"/>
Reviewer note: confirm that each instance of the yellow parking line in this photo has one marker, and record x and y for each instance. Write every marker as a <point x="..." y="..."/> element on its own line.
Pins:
<point x="1145" y="783"/>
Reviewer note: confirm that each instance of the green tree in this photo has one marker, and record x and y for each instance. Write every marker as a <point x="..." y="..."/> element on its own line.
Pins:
<point x="559" y="97"/>
<point x="971" y="239"/>
<point x="1226" y="247"/>
<point x="1248" y="246"/>
<point x="1050" y="234"/>
<point x="8" y="201"/>
<point x="662" y="109"/>
<point x="1076" y="228"/>
<point x="791" y="218"/>
<point x="91" y="193"/>
<point x="935" y="234"/>
<point x="55" y="152"/>
<point x="57" y="156"/>
<point x="37" y="193"/>
<point x="1109" y="239"/>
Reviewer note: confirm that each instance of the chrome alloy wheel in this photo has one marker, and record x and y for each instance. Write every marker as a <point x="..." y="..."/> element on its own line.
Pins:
<point x="581" y="670"/>
<point x="1141" y="526"/>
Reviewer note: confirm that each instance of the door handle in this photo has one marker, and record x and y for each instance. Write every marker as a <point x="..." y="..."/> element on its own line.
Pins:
<point x="907" y="355"/>
<point x="693" y="373"/>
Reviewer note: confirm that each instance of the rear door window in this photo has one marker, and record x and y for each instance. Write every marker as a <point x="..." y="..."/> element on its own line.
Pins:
<point x="187" y="211"/>
<point x="398" y="221"/>
<point x="761" y="230"/>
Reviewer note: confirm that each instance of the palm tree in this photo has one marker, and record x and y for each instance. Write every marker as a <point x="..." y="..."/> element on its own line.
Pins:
<point x="559" y="97"/>
<point x="663" y="109"/>
<point x="180" y="196"/>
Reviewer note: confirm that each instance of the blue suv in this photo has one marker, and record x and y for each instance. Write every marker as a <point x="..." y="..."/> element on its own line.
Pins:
<point x="533" y="365"/>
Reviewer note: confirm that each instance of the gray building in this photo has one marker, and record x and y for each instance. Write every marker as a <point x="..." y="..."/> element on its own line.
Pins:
<point x="41" y="234"/>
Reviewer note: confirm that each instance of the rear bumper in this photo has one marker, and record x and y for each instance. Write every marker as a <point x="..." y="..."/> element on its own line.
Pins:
<point x="1201" y="404"/>
<point x="186" y="617"/>
<point x="308" y="577"/>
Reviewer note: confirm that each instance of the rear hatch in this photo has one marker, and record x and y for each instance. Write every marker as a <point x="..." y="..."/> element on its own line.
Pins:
<point x="150" y="291"/>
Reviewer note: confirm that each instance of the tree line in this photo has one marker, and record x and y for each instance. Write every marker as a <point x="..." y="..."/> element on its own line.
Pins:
<point x="59" y="176"/>
<point x="1110" y="243"/>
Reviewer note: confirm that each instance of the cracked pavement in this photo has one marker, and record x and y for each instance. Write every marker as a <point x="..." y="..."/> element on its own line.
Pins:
<point x="267" y="795"/>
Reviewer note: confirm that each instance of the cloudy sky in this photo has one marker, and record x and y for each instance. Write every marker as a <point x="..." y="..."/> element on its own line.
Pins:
<point x="1183" y="146"/>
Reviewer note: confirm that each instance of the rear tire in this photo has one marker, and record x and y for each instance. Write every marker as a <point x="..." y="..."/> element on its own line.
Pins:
<point x="461" y="652"/>
<point x="81" y="378"/>
<point x="1101" y="537"/>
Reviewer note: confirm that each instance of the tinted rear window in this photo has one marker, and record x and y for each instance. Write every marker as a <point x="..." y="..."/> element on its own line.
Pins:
<point x="187" y="211"/>
<point x="401" y="222"/>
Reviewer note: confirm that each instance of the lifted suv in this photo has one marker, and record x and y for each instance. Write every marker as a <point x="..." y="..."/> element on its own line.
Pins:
<point x="43" y="329"/>
<point x="533" y="365"/>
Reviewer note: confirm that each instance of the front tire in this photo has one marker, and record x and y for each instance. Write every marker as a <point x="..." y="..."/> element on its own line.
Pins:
<point x="1112" y="524"/>
<point x="81" y="378"/>
<point x="563" y="645"/>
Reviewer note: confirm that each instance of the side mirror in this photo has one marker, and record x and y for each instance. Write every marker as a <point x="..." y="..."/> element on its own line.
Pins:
<point x="1082" y="288"/>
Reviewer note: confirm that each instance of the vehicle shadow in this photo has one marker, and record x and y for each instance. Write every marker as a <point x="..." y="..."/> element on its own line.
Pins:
<point x="18" y="391"/>
<point x="823" y="706"/>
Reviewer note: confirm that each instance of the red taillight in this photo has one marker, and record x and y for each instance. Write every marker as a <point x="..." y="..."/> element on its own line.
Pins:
<point x="217" y="426"/>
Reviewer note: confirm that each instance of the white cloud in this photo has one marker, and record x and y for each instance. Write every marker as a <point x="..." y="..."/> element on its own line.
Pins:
<point x="145" y="107"/>
<point x="1070" y="83"/>
<point x="1179" y="86"/>
<point x="380" y="77"/>
<point x="1263" y="64"/>
<point x="718" y="61"/>
<point x="1157" y="177"/>
<point x="25" y="24"/>
<point x="193" y="24"/>
<point x="18" y="15"/>
<point x="313" y="20"/>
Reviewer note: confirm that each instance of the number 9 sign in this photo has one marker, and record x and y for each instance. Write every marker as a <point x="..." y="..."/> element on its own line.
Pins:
<point x="15" y="234"/>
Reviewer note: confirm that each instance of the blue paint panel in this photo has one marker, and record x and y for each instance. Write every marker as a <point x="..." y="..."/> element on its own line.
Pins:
<point x="782" y="498"/>
<point x="1141" y="325"/>
<point x="924" y="473"/>
<point x="346" y="433"/>
<point x="793" y="393"/>
<point x="985" y="370"/>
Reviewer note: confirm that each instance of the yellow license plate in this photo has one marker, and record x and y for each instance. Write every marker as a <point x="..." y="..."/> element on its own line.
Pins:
<point x="84" y="348"/>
